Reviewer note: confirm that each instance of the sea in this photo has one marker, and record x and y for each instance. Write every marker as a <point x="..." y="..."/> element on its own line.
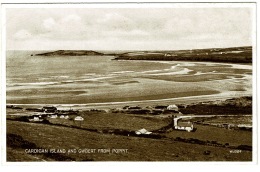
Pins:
<point x="32" y="79"/>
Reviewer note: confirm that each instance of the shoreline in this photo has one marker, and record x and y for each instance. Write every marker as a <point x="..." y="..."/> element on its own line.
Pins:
<point x="164" y="97"/>
<point x="109" y="105"/>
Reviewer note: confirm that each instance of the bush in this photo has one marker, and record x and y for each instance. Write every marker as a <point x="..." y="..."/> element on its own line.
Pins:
<point x="207" y="152"/>
<point x="17" y="141"/>
<point x="245" y="147"/>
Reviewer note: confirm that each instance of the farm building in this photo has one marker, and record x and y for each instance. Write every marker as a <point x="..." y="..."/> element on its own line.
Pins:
<point x="182" y="125"/>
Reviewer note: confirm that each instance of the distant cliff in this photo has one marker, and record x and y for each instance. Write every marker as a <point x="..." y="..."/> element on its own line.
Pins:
<point x="71" y="53"/>
<point x="234" y="106"/>
<point x="233" y="55"/>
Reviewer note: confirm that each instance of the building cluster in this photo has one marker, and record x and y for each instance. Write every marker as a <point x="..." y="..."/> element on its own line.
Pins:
<point x="155" y="110"/>
<point x="52" y="112"/>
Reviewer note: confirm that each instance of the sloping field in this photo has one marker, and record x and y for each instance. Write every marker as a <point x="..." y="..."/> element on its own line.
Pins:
<point x="115" y="121"/>
<point x="221" y="135"/>
<point x="138" y="149"/>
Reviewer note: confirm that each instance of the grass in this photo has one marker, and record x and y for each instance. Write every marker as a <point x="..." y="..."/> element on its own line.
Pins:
<point x="139" y="149"/>
<point x="16" y="144"/>
<point x="221" y="135"/>
<point x="231" y="120"/>
<point x="115" y="121"/>
<point x="20" y="155"/>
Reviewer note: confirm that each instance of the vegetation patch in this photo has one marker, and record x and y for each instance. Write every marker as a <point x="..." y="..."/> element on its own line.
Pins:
<point x="17" y="142"/>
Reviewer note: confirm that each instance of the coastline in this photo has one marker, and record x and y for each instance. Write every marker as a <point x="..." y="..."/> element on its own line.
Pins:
<point x="110" y="105"/>
<point x="231" y="54"/>
<point x="188" y="87"/>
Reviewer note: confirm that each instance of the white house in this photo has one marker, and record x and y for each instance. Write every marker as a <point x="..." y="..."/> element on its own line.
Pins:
<point x="173" y="107"/>
<point x="142" y="131"/>
<point x="78" y="118"/>
<point x="54" y="116"/>
<point x="182" y="125"/>
<point x="185" y="126"/>
<point x="35" y="119"/>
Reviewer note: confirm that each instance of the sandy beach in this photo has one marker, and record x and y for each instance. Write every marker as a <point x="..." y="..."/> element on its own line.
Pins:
<point x="123" y="82"/>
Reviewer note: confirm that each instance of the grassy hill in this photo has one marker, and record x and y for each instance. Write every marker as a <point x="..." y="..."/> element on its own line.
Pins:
<point x="25" y="135"/>
<point x="234" y="55"/>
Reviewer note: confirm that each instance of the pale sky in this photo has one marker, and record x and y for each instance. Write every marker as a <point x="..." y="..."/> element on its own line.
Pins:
<point x="128" y="28"/>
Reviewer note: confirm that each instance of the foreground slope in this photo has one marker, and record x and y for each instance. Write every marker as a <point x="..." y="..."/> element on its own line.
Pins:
<point x="34" y="136"/>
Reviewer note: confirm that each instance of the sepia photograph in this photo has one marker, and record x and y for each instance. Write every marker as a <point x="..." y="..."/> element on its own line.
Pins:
<point x="167" y="82"/>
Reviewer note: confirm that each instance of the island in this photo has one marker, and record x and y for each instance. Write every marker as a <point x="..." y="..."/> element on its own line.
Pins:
<point x="71" y="53"/>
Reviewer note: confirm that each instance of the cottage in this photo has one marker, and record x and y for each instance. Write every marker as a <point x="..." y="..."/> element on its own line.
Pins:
<point x="184" y="125"/>
<point x="173" y="107"/>
<point x="142" y="131"/>
<point x="167" y="55"/>
<point x="35" y="118"/>
<point x="78" y="118"/>
<point x="54" y="116"/>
